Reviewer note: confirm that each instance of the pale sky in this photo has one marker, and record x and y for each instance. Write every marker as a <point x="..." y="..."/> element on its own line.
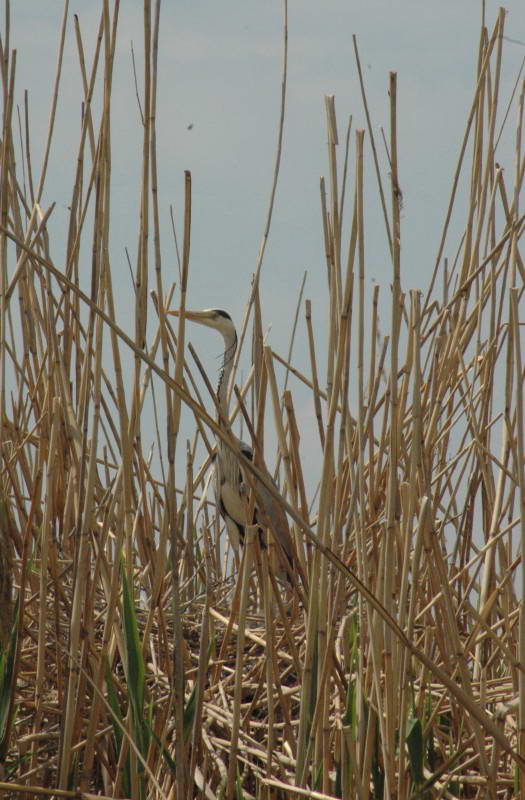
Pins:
<point x="220" y="72"/>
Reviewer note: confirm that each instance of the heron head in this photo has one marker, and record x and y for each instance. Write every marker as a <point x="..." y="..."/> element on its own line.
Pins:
<point x="214" y="318"/>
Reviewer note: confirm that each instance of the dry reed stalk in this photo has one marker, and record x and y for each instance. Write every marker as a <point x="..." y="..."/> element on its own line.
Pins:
<point x="251" y="533"/>
<point x="262" y="248"/>
<point x="315" y="381"/>
<point x="361" y="522"/>
<point x="519" y="472"/>
<point x="294" y="328"/>
<point x="372" y="143"/>
<point x="392" y="503"/>
<point x="178" y="666"/>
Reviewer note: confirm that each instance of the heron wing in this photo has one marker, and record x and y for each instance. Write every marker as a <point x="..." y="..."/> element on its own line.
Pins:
<point x="271" y="514"/>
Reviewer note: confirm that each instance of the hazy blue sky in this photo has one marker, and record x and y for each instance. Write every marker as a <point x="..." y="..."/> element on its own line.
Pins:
<point x="220" y="72"/>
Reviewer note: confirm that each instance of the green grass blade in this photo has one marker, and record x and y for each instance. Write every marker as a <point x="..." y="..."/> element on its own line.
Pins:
<point x="116" y="715"/>
<point x="118" y="736"/>
<point x="135" y="661"/>
<point x="378" y="773"/>
<point x="7" y="666"/>
<point x="416" y="749"/>
<point x="239" y="794"/>
<point x="135" y="674"/>
<point x="167" y="758"/>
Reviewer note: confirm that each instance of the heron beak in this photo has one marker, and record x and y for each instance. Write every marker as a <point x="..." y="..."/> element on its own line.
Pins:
<point x="204" y="317"/>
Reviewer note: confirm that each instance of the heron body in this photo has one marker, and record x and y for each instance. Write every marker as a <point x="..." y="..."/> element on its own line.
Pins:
<point x="230" y="482"/>
<point x="229" y="485"/>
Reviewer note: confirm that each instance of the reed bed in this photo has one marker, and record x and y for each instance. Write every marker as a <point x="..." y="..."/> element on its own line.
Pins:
<point x="140" y="659"/>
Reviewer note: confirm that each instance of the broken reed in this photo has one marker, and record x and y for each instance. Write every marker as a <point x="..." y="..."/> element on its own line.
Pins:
<point x="147" y="666"/>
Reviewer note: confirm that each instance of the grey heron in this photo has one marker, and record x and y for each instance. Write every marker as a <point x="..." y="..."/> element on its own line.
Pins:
<point x="230" y="482"/>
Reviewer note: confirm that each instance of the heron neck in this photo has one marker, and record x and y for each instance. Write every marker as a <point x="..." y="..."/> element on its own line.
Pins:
<point x="230" y="346"/>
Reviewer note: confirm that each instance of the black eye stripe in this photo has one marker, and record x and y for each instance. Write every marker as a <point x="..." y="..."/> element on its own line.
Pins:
<point x="222" y="313"/>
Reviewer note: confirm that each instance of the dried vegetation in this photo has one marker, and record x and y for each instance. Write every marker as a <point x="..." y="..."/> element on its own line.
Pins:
<point x="140" y="663"/>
